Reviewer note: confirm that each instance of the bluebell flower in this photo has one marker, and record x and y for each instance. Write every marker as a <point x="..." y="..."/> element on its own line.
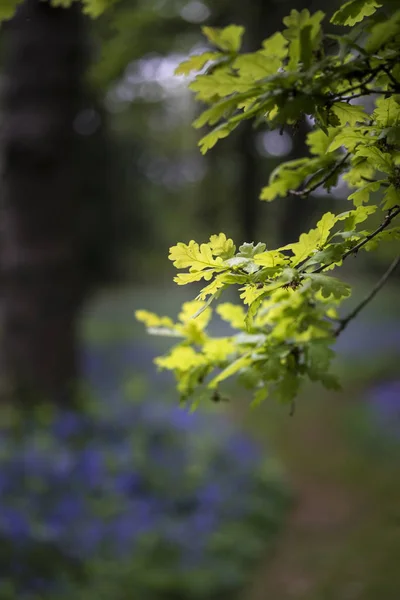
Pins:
<point x="13" y="524"/>
<point x="138" y="483"/>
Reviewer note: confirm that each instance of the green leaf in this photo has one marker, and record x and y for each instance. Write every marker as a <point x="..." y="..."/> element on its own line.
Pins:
<point x="306" y="46"/>
<point x="388" y="235"/>
<point x="309" y="242"/>
<point x="361" y="195"/>
<point x="393" y="135"/>
<point x="290" y="175"/>
<point x="354" y="11"/>
<point x="232" y="369"/>
<point x="234" y="314"/>
<point x="215" y="86"/>
<point x="324" y="227"/>
<point x="272" y="258"/>
<point x="208" y="141"/>
<point x="295" y="23"/>
<point x="185" y="278"/>
<point x="181" y="358"/>
<point x="350" y="138"/>
<point x="319" y="142"/>
<point x="349" y="113"/>
<point x="391" y="197"/>
<point x="329" y="286"/>
<point x="286" y="390"/>
<point x="152" y="320"/>
<point x="228" y="38"/>
<point x="222" y="246"/>
<point x="7" y="9"/>
<point x="382" y="33"/>
<point x="259" y="397"/>
<point x="217" y="111"/>
<point x="378" y="159"/>
<point x="196" y="62"/>
<point x="352" y="218"/>
<point x="257" y="65"/>
<point x="387" y="112"/>
<point x="359" y="170"/>
<point x="249" y="250"/>
<point x="212" y="288"/>
<point x="319" y="355"/>
<point x="194" y="256"/>
<point x="250" y="293"/>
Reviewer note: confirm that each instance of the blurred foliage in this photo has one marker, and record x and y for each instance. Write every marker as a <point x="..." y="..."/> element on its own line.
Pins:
<point x="139" y="499"/>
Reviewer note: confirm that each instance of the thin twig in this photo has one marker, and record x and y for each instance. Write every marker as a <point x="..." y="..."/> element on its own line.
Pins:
<point x="391" y="77"/>
<point x="388" y="219"/>
<point x="353" y="314"/>
<point x="311" y="189"/>
<point x="365" y="92"/>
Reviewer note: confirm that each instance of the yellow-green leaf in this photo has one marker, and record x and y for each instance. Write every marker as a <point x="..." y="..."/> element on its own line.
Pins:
<point x="208" y="141"/>
<point x="212" y="288"/>
<point x="152" y="320"/>
<point x="350" y="138"/>
<point x="361" y="195"/>
<point x="275" y="46"/>
<point x="185" y="278"/>
<point x="349" y="113"/>
<point x="354" y="11"/>
<point x="196" y="257"/>
<point x="196" y="62"/>
<point x="218" y="349"/>
<point x="189" y="310"/>
<point x="271" y="258"/>
<point x="222" y="246"/>
<point x="250" y="293"/>
<point x="383" y="32"/>
<point x="378" y="159"/>
<point x="181" y="358"/>
<point x="309" y="242"/>
<point x="228" y="39"/>
<point x="232" y="369"/>
<point x="387" y="112"/>
<point x="319" y="142"/>
<point x="391" y="198"/>
<point x="234" y="314"/>
<point x="257" y="65"/>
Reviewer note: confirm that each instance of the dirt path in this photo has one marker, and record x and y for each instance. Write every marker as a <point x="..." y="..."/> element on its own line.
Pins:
<point x="322" y="514"/>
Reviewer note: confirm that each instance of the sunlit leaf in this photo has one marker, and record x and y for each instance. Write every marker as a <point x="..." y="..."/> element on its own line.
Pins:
<point x="354" y="11"/>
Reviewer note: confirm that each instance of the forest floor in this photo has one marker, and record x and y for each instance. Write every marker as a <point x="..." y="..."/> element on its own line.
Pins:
<point x="342" y="541"/>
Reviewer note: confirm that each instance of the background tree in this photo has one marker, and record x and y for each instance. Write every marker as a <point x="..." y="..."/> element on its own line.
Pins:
<point x="49" y="213"/>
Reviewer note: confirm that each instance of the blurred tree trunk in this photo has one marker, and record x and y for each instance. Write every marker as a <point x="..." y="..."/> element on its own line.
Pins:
<point x="42" y="280"/>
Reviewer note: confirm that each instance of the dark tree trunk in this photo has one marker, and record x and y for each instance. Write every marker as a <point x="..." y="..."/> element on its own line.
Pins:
<point x="42" y="281"/>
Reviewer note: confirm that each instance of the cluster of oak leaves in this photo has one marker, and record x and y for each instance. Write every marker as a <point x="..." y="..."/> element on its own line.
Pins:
<point x="287" y="322"/>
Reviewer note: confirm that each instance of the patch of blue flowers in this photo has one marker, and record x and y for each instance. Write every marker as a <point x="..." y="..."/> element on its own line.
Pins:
<point x="140" y="500"/>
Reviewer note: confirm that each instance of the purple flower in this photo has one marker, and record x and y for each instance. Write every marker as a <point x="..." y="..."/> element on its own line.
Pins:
<point x="13" y="524"/>
<point x="90" y="466"/>
<point x="67" y="424"/>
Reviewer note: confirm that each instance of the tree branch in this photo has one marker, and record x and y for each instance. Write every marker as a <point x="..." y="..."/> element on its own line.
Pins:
<point x="311" y="189"/>
<point x="388" y="219"/>
<point x="353" y="314"/>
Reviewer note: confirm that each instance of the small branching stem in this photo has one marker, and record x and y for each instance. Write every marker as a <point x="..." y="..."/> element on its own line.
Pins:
<point x="354" y="313"/>
<point x="320" y="182"/>
<point x="386" y="222"/>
